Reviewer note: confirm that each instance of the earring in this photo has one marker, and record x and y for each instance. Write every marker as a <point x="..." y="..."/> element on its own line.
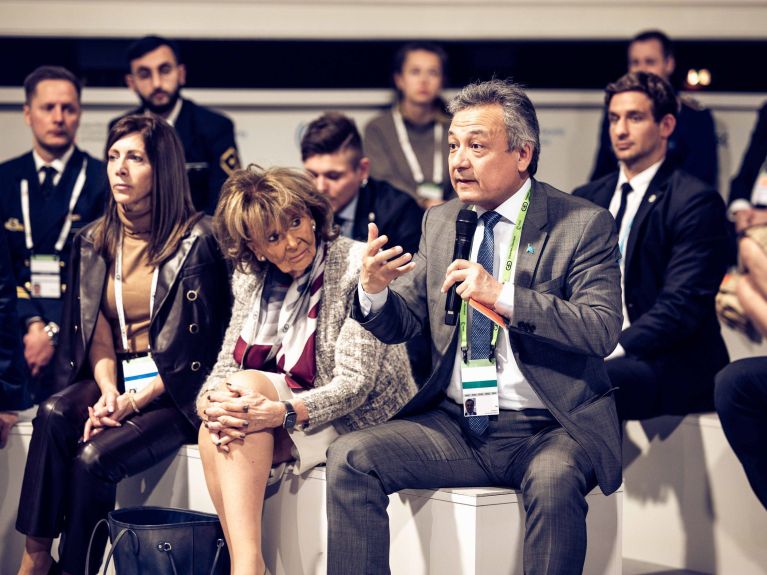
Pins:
<point x="261" y="258"/>
<point x="314" y="226"/>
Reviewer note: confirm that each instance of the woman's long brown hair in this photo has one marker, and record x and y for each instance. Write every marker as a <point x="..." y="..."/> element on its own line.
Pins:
<point x="173" y="212"/>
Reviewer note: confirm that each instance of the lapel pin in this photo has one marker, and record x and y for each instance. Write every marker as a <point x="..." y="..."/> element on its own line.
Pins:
<point x="652" y="198"/>
<point x="530" y="249"/>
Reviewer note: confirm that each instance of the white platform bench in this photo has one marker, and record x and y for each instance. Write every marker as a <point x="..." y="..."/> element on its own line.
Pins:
<point x="467" y="531"/>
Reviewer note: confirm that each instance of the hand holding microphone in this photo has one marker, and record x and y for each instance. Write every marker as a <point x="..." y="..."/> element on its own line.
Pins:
<point x="465" y="225"/>
<point x="466" y="280"/>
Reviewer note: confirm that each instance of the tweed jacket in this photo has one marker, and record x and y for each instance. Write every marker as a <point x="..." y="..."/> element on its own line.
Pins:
<point x="360" y="381"/>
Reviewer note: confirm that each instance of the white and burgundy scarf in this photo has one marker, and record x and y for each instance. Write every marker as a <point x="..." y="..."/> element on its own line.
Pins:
<point x="279" y="334"/>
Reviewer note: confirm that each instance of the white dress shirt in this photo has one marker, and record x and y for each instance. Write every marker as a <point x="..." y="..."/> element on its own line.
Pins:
<point x="639" y="185"/>
<point x="59" y="164"/>
<point x="514" y="392"/>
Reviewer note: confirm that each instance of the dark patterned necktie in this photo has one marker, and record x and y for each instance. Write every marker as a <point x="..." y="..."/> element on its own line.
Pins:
<point x="626" y="189"/>
<point x="481" y="325"/>
<point x="47" y="186"/>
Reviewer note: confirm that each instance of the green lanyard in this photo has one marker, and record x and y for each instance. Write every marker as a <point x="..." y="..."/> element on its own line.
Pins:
<point x="506" y="276"/>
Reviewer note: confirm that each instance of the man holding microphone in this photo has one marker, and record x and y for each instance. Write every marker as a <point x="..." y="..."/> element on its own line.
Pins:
<point x="544" y="421"/>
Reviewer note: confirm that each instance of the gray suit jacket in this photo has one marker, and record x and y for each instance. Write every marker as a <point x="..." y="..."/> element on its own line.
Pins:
<point x="567" y="315"/>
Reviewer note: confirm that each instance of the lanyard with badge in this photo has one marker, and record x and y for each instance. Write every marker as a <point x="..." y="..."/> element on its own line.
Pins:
<point x="139" y="371"/>
<point x="45" y="269"/>
<point x="479" y="378"/>
<point x="426" y="190"/>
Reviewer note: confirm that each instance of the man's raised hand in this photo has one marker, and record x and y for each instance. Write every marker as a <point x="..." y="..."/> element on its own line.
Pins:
<point x="381" y="266"/>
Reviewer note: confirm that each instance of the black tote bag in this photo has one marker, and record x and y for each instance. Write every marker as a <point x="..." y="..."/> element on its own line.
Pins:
<point x="163" y="540"/>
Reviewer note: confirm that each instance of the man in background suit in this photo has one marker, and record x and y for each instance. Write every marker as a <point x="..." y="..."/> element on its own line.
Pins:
<point x="331" y="150"/>
<point x="156" y="74"/>
<point x="556" y="434"/>
<point x="693" y="145"/>
<point x="46" y="195"/>
<point x="673" y="236"/>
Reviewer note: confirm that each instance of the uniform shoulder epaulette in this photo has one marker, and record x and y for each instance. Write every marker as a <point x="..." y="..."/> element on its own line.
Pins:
<point x="691" y="103"/>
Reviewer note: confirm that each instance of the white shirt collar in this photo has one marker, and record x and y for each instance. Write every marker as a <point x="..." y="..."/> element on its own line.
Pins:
<point x="59" y="164"/>
<point x="641" y="181"/>
<point x="510" y="208"/>
<point x="173" y="116"/>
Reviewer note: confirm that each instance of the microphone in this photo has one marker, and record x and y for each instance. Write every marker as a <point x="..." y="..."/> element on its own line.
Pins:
<point x="465" y="225"/>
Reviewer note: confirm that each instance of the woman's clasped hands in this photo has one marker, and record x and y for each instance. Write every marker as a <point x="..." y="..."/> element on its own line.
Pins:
<point x="232" y="413"/>
<point x="111" y="409"/>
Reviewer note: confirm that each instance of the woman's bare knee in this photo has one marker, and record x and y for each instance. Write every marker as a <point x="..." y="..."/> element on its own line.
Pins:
<point x="254" y="380"/>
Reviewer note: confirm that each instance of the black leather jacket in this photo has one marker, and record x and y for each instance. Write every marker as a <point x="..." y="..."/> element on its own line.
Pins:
<point x="191" y="312"/>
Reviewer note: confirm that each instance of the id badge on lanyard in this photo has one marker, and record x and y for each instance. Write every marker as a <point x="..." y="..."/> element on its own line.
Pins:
<point x="427" y="190"/>
<point x="45" y="269"/>
<point x="479" y="382"/>
<point x="138" y="372"/>
<point x="45" y="272"/>
<point x="479" y="377"/>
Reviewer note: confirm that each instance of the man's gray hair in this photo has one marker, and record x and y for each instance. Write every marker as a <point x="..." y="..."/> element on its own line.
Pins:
<point x="518" y="112"/>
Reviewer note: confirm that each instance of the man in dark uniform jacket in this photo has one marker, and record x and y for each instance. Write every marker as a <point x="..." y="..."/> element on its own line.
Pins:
<point x="331" y="150"/>
<point x="46" y="195"/>
<point x="693" y="145"/>
<point x="156" y="74"/>
<point x="672" y="233"/>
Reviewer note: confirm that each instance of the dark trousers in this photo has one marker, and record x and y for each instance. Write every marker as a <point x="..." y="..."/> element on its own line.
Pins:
<point x="69" y="485"/>
<point x="524" y="450"/>
<point x="666" y="386"/>
<point x="741" y="401"/>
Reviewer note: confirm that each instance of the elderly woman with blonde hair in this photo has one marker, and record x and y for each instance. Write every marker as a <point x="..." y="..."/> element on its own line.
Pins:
<point x="295" y="370"/>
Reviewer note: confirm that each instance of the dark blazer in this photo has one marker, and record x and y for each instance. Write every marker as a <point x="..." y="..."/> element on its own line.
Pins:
<point x="13" y="392"/>
<point x="191" y="312"/>
<point x="692" y="146"/>
<point x="567" y="316"/>
<point x="47" y="219"/>
<point x="756" y="154"/>
<point x="210" y="151"/>
<point x="395" y="213"/>
<point x="676" y="256"/>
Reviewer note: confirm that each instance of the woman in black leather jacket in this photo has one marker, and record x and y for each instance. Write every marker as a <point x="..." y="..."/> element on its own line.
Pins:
<point x="148" y="306"/>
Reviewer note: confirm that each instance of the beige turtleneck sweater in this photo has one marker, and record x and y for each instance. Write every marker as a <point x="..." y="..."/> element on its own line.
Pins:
<point x="136" y="283"/>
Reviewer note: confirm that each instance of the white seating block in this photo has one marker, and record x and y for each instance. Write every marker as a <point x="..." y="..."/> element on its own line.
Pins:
<point x="467" y="531"/>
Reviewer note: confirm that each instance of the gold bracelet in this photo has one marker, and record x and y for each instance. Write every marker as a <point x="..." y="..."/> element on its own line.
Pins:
<point x="133" y="402"/>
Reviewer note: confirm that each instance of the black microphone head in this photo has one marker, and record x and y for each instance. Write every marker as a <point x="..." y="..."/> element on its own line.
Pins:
<point x="466" y="223"/>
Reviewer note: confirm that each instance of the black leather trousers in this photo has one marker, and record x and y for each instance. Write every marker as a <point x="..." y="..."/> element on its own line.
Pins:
<point x="69" y="485"/>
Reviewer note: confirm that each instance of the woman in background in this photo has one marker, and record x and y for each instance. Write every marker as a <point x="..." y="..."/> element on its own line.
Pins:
<point x="149" y="302"/>
<point x="407" y="144"/>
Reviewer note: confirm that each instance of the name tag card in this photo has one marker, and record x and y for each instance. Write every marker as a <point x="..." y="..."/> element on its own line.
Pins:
<point x="479" y="381"/>
<point x="45" y="276"/>
<point x="138" y="373"/>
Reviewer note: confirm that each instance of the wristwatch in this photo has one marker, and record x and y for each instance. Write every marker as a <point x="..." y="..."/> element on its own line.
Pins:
<point x="51" y="329"/>
<point x="290" y="416"/>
